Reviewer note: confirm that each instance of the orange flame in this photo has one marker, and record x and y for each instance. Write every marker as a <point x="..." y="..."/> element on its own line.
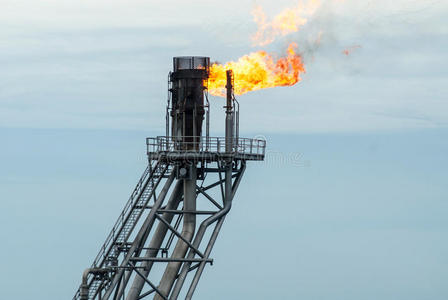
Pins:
<point x="257" y="70"/>
<point x="288" y="21"/>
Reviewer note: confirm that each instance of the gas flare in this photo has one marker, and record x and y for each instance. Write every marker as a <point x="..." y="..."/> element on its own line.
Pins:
<point x="288" y="21"/>
<point x="257" y="70"/>
<point x="260" y="70"/>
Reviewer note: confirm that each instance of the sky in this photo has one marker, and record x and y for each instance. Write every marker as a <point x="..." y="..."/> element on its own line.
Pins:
<point x="104" y="64"/>
<point x="359" y="190"/>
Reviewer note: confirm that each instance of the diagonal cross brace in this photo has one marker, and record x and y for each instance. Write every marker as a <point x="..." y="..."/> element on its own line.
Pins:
<point x="179" y="235"/>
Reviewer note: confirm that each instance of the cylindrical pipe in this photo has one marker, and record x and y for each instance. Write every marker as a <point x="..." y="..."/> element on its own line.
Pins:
<point x="200" y="234"/>
<point x="156" y="242"/>
<point x="229" y="132"/>
<point x="84" y="289"/>
<point x="228" y="201"/>
<point x="229" y="113"/>
<point x="188" y="229"/>
<point x="229" y="88"/>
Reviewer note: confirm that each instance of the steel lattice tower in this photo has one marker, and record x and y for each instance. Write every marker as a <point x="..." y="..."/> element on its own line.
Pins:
<point x="165" y="234"/>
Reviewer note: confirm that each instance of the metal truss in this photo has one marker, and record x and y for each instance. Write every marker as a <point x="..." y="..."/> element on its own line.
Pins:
<point x="142" y="240"/>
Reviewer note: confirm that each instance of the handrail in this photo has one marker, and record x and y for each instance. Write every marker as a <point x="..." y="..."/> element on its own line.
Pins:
<point x="244" y="146"/>
<point x="118" y="229"/>
<point x="121" y="218"/>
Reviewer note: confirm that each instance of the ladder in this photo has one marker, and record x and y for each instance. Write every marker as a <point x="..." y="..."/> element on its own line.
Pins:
<point x="123" y="227"/>
<point x="146" y="238"/>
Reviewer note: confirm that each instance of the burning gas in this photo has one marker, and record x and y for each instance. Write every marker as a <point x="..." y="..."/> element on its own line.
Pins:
<point x="260" y="70"/>
<point x="257" y="70"/>
<point x="288" y="21"/>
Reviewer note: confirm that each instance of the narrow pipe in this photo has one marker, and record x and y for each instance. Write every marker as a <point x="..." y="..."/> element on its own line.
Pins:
<point x="228" y="199"/>
<point x="229" y="112"/>
<point x="229" y="89"/>
<point x="167" y="117"/>
<point x="201" y="231"/>
<point x="227" y="195"/>
<point x="156" y="242"/>
<point x="188" y="228"/>
<point x="84" y="289"/>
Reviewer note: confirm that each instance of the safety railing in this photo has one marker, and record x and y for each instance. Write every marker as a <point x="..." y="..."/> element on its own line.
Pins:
<point x="220" y="145"/>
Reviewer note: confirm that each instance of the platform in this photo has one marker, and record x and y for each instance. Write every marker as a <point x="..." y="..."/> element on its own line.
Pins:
<point x="168" y="149"/>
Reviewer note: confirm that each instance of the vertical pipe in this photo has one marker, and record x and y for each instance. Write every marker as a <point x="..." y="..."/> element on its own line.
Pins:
<point x="167" y="117"/>
<point x="84" y="290"/>
<point x="237" y="122"/>
<point x="198" y="238"/>
<point x="229" y="112"/>
<point x="188" y="228"/>
<point x="207" y="122"/>
<point x="229" y="88"/>
<point x="227" y="201"/>
<point x="228" y="196"/>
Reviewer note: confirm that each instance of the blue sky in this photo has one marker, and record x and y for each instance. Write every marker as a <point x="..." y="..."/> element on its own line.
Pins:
<point x="360" y="197"/>
<point x="357" y="216"/>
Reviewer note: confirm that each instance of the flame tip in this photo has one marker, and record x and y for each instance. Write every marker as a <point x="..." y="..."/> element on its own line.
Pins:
<point x="258" y="70"/>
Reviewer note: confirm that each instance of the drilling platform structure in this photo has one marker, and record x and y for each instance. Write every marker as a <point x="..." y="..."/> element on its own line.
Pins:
<point x="163" y="238"/>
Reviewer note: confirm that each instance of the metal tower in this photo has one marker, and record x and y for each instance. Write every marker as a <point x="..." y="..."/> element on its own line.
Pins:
<point x="165" y="234"/>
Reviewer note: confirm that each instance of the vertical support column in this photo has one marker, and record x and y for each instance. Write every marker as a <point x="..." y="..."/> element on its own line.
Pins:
<point x="188" y="229"/>
<point x="229" y="191"/>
